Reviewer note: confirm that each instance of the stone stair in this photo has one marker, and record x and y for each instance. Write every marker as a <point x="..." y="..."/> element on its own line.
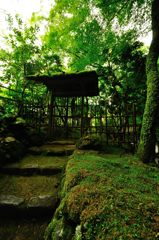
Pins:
<point x="56" y="148"/>
<point x="36" y="164"/>
<point x="29" y="188"/>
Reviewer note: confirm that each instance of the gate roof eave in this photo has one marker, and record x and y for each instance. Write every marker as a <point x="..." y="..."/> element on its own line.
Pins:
<point x="69" y="84"/>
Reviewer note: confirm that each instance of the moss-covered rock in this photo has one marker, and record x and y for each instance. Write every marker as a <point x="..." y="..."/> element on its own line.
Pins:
<point x="106" y="196"/>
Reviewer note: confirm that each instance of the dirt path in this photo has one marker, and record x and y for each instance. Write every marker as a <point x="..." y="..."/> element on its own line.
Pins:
<point x="29" y="191"/>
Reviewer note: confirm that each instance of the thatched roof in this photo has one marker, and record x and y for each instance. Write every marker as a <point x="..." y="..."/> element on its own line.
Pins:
<point x="70" y="84"/>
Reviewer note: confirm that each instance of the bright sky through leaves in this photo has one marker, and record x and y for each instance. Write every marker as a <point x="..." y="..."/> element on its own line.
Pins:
<point x="26" y="7"/>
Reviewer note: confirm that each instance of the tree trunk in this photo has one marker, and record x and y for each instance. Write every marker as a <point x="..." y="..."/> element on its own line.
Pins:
<point x="146" y="149"/>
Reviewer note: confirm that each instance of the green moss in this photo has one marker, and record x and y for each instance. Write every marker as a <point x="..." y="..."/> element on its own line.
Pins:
<point x="146" y="149"/>
<point x="110" y="197"/>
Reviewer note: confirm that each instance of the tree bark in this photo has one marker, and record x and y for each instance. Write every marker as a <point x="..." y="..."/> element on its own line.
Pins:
<point x="146" y="148"/>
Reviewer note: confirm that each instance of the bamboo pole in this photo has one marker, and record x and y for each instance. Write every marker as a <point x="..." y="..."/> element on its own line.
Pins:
<point x="51" y="110"/>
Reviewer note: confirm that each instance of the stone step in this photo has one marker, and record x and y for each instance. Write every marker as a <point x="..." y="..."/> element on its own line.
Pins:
<point x="30" y="196"/>
<point x="61" y="142"/>
<point x="52" y="150"/>
<point x="29" y="171"/>
<point x="40" y="165"/>
<point x="23" y="228"/>
<point x="11" y="205"/>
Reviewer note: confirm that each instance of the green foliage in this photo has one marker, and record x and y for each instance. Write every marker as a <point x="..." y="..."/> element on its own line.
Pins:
<point x="136" y="12"/>
<point x="80" y="29"/>
<point x="123" y="79"/>
<point x="24" y="55"/>
<point x="81" y="33"/>
<point x="21" y="49"/>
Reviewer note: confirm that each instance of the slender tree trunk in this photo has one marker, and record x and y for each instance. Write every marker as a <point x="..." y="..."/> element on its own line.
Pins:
<point x="146" y="149"/>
